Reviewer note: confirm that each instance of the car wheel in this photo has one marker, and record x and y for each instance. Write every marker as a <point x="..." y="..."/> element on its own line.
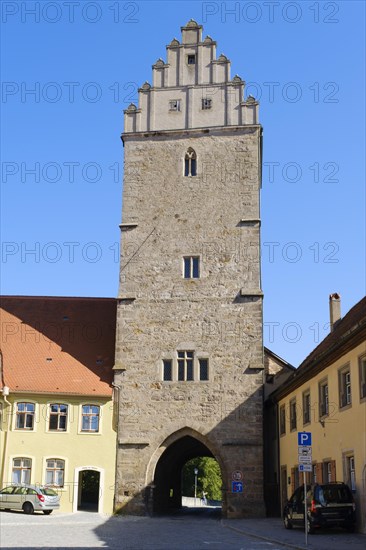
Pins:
<point x="287" y="523"/>
<point x="28" y="508"/>
<point x="47" y="512"/>
<point x="309" y="527"/>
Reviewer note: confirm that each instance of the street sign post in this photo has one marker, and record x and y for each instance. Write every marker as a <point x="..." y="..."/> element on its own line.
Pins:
<point x="305" y="465"/>
<point x="237" y="475"/>
<point x="236" y="487"/>
<point x="305" y="468"/>
<point x="304" y="438"/>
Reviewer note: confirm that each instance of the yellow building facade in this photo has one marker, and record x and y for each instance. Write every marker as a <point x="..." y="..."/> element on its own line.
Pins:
<point x="57" y="425"/>
<point x="77" y="460"/>
<point x="326" y="396"/>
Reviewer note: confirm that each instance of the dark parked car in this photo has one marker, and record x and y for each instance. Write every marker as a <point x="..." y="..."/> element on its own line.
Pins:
<point x="329" y="504"/>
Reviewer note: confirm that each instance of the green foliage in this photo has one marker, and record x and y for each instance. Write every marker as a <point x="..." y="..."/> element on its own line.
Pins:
<point x="208" y="478"/>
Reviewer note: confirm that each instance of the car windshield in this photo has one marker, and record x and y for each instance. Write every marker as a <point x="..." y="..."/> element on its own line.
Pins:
<point x="48" y="492"/>
<point x="328" y="494"/>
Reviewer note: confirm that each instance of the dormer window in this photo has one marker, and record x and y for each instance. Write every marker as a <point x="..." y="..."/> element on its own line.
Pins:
<point x="206" y="103"/>
<point x="191" y="59"/>
<point x="190" y="163"/>
<point x="174" y="105"/>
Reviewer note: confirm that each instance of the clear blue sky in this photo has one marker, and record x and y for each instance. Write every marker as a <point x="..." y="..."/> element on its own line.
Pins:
<point x="84" y="61"/>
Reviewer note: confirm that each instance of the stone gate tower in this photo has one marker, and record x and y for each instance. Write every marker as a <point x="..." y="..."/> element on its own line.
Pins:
<point x="189" y="354"/>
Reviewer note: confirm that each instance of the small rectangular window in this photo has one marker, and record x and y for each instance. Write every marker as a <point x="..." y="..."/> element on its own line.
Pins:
<point x="203" y="365"/>
<point x="185" y="366"/>
<point x="306" y="407"/>
<point x="293" y="420"/>
<point x="167" y="370"/>
<point x="55" y="470"/>
<point x="344" y="380"/>
<point x="282" y="420"/>
<point x="90" y="418"/>
<point x="58" y="417"/>
<point x="21" y="470"/>
<point x="174" y="105"/>
<point x="191" y="59"/>
<point x="191" y="267"/>
<point x="25" y="416"/>
<point x="323" y="399"/>
<point x="362" y="371"/>
<point x="206" y="103"/>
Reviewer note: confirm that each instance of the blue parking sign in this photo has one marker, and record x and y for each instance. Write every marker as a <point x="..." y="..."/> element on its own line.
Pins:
<point x="236" y="486"/>
<point x="304" y="438"/>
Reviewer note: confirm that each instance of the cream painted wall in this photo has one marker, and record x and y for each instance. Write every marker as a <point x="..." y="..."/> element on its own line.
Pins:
<point x="79" y="450"/>
<point x="343" y="432"/>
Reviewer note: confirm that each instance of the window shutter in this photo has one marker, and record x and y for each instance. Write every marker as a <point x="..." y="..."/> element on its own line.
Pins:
<point x="319" y="472"/>
<point x="333" y="470"/>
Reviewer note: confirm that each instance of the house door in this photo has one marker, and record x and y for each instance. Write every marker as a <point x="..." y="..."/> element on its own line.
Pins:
<point x="89" y="490"/>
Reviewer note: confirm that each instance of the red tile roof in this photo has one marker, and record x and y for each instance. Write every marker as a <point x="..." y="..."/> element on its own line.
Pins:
<point x="58" y="345"/>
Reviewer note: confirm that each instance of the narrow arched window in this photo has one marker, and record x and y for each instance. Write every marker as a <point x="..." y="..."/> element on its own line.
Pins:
<point x="190" y="163"/>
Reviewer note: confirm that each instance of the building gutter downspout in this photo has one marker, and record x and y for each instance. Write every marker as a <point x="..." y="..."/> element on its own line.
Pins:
<point x="5" y="393"/>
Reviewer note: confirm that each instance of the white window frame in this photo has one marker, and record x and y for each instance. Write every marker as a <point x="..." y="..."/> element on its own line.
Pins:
<point x="51" y="414"/>
<point x="47" y="468"/>
<point x="26" y="413"/>
<point x="82" y="414"/>
<point x="22" y="469"/>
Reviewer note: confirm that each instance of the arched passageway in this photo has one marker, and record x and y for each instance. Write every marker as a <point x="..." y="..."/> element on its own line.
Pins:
<point x="167" y="496"/>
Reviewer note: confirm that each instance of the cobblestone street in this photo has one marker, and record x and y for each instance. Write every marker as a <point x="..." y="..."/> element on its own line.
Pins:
<point x="180" y="532"/>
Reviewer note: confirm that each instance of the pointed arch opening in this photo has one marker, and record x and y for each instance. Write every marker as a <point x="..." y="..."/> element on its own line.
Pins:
<point x="190" y="163"/>
<point x="168" y="480"/>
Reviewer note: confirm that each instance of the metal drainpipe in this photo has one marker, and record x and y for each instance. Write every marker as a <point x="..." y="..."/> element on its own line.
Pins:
<point x="5" y="393"/>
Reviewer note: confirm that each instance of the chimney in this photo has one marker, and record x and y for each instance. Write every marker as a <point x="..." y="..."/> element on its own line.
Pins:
<point x="334" y="309"/>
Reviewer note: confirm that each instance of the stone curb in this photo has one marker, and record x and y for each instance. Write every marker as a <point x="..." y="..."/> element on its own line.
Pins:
<point x="261" y="537"/>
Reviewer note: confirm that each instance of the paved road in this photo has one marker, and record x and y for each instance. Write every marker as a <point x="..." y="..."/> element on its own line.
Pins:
<point x="86" y="530"/>
<point x="181" y="532"/>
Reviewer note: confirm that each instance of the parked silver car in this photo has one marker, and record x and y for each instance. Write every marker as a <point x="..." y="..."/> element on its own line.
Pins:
<point x="29" y="498"/>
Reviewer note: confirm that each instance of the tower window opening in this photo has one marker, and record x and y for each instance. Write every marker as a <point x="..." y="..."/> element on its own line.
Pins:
<point x="190" y="163"/>
<point x="185" y="365"/>
<point x="191" y="59"/>
<point x="174" y="105"/>
<point x="191" y="267"/>
<point x="206" y="103"/>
